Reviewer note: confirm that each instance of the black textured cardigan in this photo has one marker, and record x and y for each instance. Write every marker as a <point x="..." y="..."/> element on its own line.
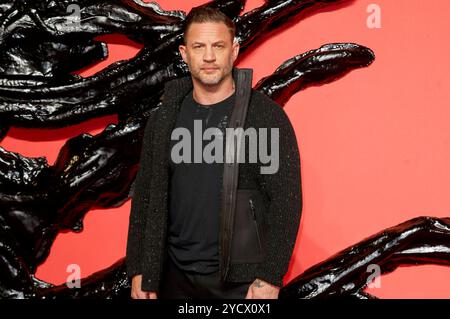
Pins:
<point x="149" y="210"/>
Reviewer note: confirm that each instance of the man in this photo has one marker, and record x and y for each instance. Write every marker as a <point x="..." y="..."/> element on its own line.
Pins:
<point x="185" y="239"/>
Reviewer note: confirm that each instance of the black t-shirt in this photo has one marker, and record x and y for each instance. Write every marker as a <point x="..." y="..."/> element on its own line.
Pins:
<point x="195" y="190"/>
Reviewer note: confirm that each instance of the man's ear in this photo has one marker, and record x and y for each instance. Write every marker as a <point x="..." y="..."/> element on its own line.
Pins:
<point x="182" y="49"/>
<point x="236" y="48"/>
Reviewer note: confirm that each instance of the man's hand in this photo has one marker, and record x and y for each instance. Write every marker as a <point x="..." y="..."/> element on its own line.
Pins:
<point x="137" y="292"/>
<point x="262" y="290"/>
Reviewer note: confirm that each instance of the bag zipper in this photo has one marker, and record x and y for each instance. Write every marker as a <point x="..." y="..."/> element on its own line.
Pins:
<point x="252" y="208"/>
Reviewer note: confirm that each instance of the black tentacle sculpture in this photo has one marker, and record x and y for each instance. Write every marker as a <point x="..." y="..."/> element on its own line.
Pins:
<point x="59" y="104"/>
<point x="422" y="240"/>
<point x="38" y="89"/>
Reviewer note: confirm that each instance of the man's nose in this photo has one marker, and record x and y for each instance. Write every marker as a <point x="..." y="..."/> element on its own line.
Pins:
<point x="209" y="54"/>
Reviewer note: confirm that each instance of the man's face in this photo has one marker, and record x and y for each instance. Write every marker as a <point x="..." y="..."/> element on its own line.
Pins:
<point x="209" y="52"/>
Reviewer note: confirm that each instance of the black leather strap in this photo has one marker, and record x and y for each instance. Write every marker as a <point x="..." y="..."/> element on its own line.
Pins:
<point x="243" y="85"/>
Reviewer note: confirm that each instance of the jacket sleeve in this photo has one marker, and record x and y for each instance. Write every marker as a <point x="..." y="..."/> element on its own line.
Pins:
<point x="139" y="206"/>
<point x="283" y="188"/>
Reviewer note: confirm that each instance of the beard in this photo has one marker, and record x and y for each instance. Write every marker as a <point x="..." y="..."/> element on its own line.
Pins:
<point x="211" y="78"/>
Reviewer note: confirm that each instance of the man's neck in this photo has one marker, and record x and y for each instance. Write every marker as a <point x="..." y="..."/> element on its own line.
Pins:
<point x="207" y="95"/>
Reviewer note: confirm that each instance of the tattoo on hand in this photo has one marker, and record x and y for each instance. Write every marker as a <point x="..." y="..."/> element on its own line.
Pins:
<point x="258" y="283"/>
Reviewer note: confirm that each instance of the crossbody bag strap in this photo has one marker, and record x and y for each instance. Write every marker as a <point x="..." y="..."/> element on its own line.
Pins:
<point x="231" y="165"/>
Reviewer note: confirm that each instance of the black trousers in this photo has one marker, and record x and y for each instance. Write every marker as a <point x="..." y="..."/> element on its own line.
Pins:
<point x="179" y="284"/>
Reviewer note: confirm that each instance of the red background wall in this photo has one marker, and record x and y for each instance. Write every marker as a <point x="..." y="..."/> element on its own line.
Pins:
<point x="375" y="145"/>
